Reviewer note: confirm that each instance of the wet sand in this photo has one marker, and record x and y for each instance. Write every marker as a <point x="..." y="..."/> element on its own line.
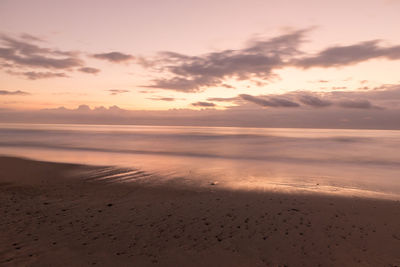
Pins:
<point x="50" y="215"/>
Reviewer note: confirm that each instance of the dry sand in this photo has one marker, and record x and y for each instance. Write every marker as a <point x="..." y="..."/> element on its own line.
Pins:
<point x="48" y="218"/>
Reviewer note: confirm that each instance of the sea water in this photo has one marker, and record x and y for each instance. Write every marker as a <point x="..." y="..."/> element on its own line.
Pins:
<point x="355" y="162"/>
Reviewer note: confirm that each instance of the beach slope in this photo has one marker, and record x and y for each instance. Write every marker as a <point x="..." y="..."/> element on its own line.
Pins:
<point x="52" y="215"/>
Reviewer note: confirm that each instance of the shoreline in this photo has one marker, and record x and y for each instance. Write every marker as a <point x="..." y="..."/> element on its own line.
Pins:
<point x="195" y="125"/>
<point x="52" y="216"/>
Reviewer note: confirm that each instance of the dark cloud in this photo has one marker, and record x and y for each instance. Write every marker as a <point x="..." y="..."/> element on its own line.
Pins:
<point x="89" y="70"/>
<point x="203" y="104"/>
<point x="24" y="57"/>
<point x="28" y="54"/>
<point x="256" y="61"/>
<point x="115" y="57"/>
<point x="379" y="98"/>
<point x="35" y="75"/>
<point x="183" y="84"/>
<point x="18" y="92"/>
<point x="314" y="101"/>
<point x="117" y="91"/>
<point x="337" y="56"/>
<point x="168" y="99"/>
<point x="383" y="97"/>
<point x="269" y="102"/>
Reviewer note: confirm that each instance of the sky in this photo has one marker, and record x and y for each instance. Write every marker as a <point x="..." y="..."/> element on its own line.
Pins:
<point x="243" y="63"/>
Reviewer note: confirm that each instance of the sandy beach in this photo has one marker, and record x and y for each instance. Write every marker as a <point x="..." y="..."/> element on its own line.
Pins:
<point x="53" y="216"/>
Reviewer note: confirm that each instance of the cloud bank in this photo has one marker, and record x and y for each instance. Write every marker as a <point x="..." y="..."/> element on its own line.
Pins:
<point x="377" y="108"/>
<point x="243" y="116"/>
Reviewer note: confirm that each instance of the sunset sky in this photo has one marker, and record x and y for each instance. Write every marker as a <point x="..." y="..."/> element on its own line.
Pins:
<point x="277" y="57"/>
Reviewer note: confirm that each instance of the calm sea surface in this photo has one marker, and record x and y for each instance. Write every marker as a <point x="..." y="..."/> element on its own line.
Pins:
<point x="355" y="162"/>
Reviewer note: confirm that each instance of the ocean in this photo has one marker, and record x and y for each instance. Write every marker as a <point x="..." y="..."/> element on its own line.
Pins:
<point x="333" y="161"/>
